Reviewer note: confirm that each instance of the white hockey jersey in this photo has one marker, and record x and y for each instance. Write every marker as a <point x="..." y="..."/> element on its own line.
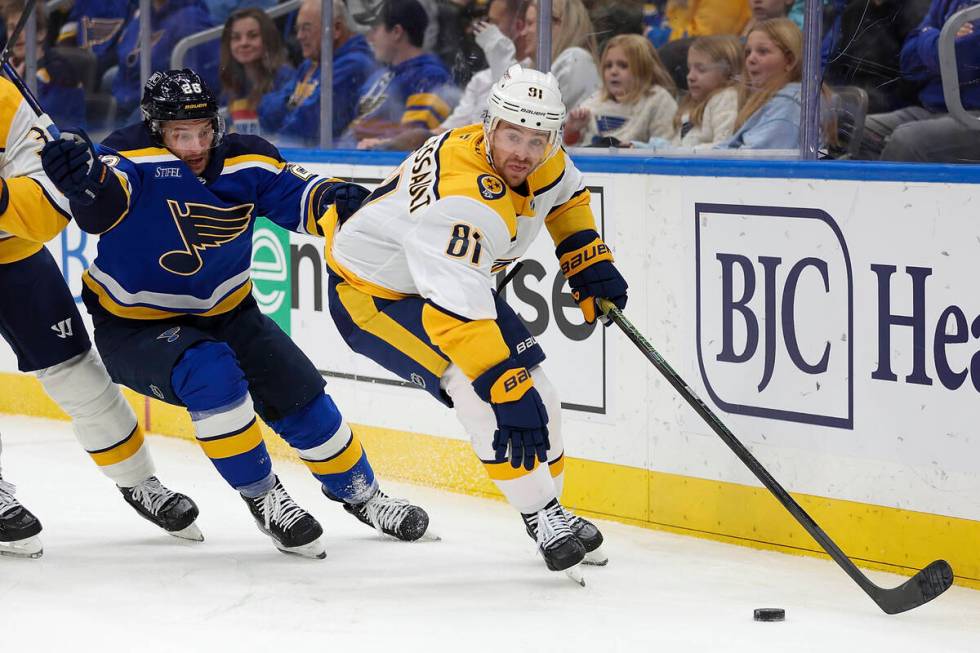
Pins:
<point x="442" y="224"/>
<point x="32" y="210"/>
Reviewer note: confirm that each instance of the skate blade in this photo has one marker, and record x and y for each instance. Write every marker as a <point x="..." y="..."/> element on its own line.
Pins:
<point x="29" y="547"/>
<point x="596" y="558"/>
<point x="191" y="532"/>
<point x="575" y="573"/>
<point x="429" y="537"/>
<point x="314" y="549"/>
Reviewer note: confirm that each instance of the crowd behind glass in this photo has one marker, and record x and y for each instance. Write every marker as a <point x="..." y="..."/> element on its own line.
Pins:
<point x="668" y="77"/>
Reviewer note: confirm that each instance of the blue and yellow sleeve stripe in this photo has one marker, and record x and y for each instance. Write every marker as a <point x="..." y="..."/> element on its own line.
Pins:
<point x="425" y="110"/>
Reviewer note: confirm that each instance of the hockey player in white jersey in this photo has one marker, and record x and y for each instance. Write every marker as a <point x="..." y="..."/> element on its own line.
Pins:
<point x="412" y="288"/>
<point x="40" y="321"/>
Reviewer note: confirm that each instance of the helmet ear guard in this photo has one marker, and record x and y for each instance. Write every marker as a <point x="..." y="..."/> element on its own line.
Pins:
<point x="179" y="95"/>
<point x="527" y="98"/>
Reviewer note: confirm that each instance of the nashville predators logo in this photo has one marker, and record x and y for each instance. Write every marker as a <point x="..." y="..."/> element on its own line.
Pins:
<point x="202" y="226"/>
<point x="490" y="187"/>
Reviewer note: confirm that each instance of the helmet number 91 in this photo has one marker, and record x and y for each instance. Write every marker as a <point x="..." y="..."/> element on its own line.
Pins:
<point x="535" y="92"/>
<point x="190" y="87"/>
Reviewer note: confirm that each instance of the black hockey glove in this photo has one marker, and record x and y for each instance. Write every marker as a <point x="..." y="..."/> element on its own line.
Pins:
<point x="522" y="420"/>
<point x="346" y="196"/>
<point x="74" y="167"/>
<point x="587" y="263"/>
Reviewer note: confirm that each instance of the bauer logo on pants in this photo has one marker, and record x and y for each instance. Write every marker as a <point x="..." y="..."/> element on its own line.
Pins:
<point x="775" y="313"/>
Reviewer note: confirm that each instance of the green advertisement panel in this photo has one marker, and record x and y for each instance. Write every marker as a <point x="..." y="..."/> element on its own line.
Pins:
<point x="271" y="267"/>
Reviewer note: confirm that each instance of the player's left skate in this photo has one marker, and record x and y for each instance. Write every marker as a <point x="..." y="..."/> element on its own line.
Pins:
<point x="292" y="529"/>
<point x="18" y="526"/>
<point x="395" y="517"/>
<point x="590" y="536"/>
<point x="558" y="545"/>
<point x="171" y="511"/>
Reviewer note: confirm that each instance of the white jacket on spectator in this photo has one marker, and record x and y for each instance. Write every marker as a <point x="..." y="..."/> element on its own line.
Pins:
<point x="500" y="53"/>
<point x="651" y="116"/>
<point x="717" y="122"/>
<point x="578" y="77"/>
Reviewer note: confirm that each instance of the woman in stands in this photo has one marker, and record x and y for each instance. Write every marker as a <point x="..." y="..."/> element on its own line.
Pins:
<point x="253" y="63"/>
<point x="636" y="101"/>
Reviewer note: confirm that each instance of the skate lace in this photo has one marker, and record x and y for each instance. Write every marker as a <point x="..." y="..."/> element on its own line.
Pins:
<point x="7" y="500"/>
<point x="152" y="494"/>
<point x="279" y="508"/>
<point x="551" y="525"/>
<point x="385" y="512"/>
<point x="573" y="519"/>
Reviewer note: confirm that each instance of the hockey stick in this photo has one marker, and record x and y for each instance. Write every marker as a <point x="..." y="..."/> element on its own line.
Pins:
<point x="924" y="586"/>
<point x="12" y="74"/>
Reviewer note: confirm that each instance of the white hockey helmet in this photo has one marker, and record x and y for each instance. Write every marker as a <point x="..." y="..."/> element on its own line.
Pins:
<point x="528" y="98"/>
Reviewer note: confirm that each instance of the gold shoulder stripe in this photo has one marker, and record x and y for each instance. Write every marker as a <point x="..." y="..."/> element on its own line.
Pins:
<point x="254" y="158"/>
<point x="146" y="151"/>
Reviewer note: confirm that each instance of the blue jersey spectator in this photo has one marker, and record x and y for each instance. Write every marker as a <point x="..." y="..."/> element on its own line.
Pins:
<point x="96" y="25"/>
<point x="293" y="111"/>
<point x="928" y="132"/>
<point x="413" y="90"/>
<point x="172" y="20"/>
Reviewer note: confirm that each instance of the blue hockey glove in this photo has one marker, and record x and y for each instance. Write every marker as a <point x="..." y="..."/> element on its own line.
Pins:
<point x="346" y="196"/>
<point x="587" y="263"/>
<point x="522" y="421"/>
<point x="74" y="167"/>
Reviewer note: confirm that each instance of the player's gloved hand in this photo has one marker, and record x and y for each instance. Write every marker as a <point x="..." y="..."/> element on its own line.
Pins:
<point x="587" y="263"/>
<point x="74" y="167"/>
<point x="346" y="196"/>
<point x="522" y="420"/>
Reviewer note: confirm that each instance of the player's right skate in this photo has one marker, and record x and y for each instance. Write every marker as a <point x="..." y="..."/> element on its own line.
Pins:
<point x="171" y="511"/>
<point x="291" y="528"/>
<point x="18" y="526"/>
<point x="561" y="549"/>
<point x="389" y="515"/>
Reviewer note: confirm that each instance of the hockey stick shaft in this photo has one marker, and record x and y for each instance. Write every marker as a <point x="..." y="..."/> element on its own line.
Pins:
<point x="923" y="587"/>
<point x="12" y="75"/>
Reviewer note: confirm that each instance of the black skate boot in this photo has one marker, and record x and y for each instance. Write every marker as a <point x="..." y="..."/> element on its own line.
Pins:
<point x="291" y="528"/>
<point x="18" y="526"/>
<point x="559" y="546"/>
<point x="171" y="511"/>
<point x="395" y="517"/>
<point x="590" y="537"/>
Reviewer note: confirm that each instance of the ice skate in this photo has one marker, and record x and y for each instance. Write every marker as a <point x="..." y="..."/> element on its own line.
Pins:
<point x="18" y="526"/>
<point x="590" y="537"/>
<point x="561" y="549"/>
<point x="395" y="517"/>
<point x="292" y="529"/>
<point x="171" y="511"/>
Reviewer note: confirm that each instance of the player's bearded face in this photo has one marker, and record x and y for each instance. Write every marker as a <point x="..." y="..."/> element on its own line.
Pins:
<point x="190" y="141"/>
<point x="516" y="151"/>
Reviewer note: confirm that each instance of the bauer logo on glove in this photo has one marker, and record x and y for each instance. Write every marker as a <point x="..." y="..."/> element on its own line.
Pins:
<point x="587" y="263"/>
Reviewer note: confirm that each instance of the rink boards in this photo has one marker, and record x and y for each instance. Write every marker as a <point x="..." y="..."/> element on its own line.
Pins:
<point x="830" y="319"/>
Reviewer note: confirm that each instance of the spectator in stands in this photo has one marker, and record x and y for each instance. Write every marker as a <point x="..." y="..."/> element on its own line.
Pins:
<point x="614" y="18"/>
<point x="770" y="117"/>
<point x="59" y="90"/>
<point x="688" y="19"/>
<point x="764" y="10"/>
<point x="414" y="89"/>
<point x="573" y="48"/>
<point x="454" y="42"/>
<point x="96" y="25"/>
<point x="253" y="63"/>
<point x="862" y="44"/>
<point x="928" y="132"/>
<point x="636" y="101"/>
<point x="706" y="115"/>
<point x="172" y="20"/>
<point x="221" y="10"/>
<point x="293" y="111"/>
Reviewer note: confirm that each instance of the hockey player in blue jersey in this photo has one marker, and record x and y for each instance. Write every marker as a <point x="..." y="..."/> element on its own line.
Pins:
<point x="173" y="200"/>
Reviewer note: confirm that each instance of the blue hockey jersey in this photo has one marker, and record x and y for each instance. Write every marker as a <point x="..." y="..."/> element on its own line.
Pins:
<point x="172" y="243"/>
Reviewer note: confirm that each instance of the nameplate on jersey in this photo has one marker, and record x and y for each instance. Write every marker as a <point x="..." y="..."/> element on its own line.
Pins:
<point x="421" y="176"/>
<point x="202" y="226"/>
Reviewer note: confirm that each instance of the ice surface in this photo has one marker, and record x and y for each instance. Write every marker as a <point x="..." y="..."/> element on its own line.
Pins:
<point x="109" y="581"/>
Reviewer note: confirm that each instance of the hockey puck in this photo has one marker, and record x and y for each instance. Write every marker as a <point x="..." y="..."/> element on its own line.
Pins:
<point x="769" y="614"/>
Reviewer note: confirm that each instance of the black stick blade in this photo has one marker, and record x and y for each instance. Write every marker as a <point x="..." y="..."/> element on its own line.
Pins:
<point x="923" y="587"/>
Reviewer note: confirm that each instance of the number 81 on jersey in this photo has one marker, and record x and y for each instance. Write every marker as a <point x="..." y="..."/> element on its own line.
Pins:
<point x="464" y="239"/>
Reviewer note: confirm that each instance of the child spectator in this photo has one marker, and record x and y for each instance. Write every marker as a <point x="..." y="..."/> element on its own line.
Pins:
<point x="413" y="90"/>
<point x="573" y="48"/>
<point x="59" y="90"/>
<point x="689" y="19"/>
<point x="635" y="103"/>
<point x="253" y="63"/>
<point x="770" y="117"/>
<point x="96" y="25"/>
<point x="706" y="115"/>
<point x="293" y="111"/>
